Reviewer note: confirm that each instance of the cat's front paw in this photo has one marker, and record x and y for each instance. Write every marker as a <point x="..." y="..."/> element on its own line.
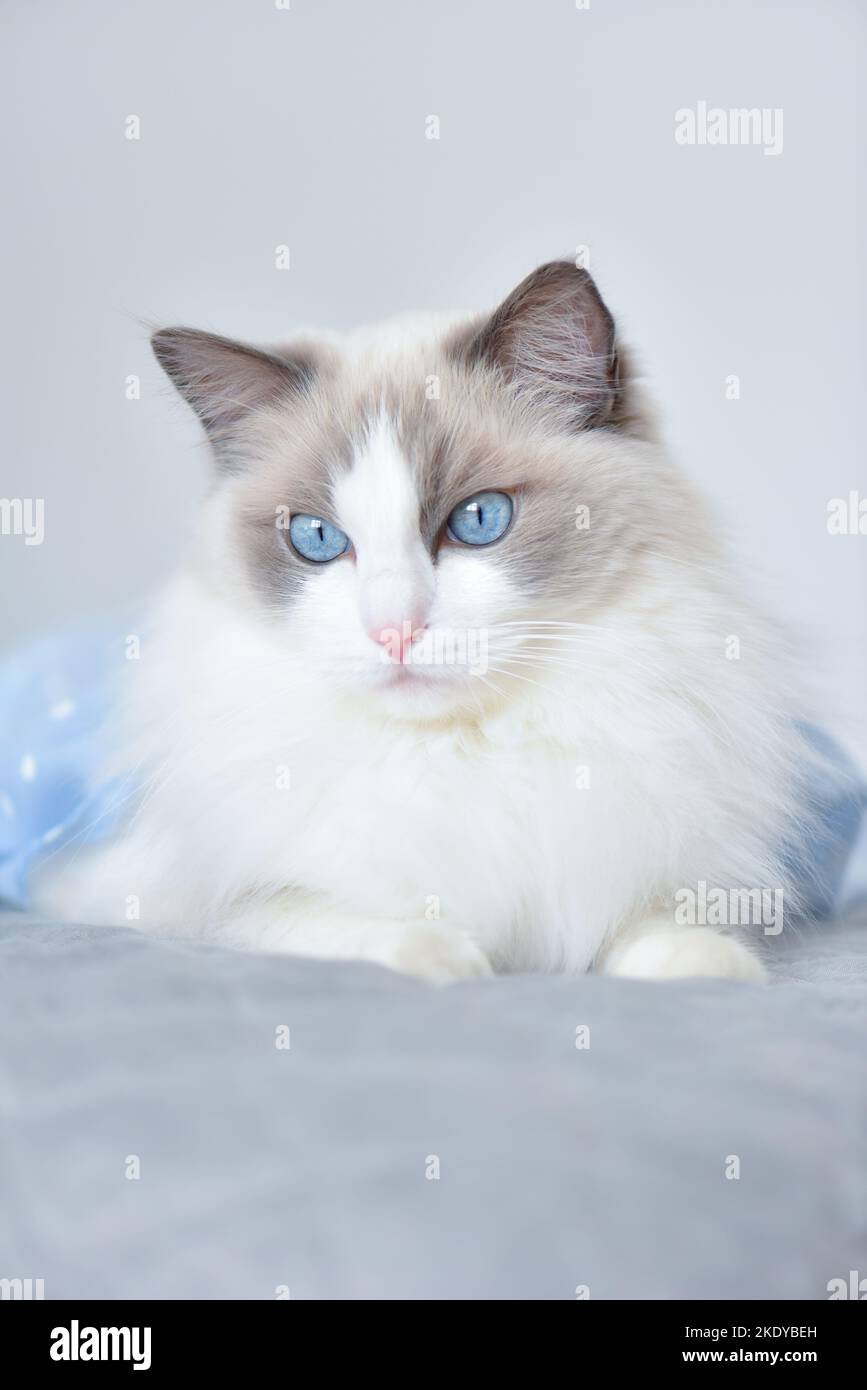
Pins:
<point x="439" y="954"/>
<point x="676" y="953"/>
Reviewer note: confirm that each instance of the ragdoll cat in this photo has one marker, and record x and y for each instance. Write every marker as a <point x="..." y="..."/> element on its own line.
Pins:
<point x="455" y="678"/>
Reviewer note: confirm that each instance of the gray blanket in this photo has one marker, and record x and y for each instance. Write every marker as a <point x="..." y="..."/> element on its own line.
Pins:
<point x="160" y="1139"/>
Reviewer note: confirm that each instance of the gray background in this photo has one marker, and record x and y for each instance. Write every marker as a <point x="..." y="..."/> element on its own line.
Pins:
<point x="261" y="126"/>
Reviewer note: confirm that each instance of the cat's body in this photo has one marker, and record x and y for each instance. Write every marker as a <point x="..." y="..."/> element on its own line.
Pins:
<point x="445" y="755"/>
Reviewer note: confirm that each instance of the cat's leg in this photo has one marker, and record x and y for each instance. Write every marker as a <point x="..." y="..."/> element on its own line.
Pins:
<point x="132" y="882"/>
<point x="657" y="948"/>
<point x="297" y="925"/>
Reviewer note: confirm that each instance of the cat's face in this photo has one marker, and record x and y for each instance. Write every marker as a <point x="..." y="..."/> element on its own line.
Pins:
<point x="416" y="515"/>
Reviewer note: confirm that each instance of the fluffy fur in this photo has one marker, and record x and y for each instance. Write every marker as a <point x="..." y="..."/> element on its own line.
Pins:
<point x="298" y="789"/>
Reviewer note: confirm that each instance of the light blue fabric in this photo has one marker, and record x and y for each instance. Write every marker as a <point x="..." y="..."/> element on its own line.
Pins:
<point x="837" y="804"/>
<point x="54" y="699"/>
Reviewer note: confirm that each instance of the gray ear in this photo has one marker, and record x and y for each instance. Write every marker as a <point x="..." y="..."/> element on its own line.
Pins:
<point x="553" y="341"/>
<point x="225" y="381"/>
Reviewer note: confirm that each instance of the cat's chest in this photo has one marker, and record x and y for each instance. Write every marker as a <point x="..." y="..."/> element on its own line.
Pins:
<point x="421" y="823"/>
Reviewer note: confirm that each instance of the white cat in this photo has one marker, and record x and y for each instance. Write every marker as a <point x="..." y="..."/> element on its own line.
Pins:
<point x="456" y="678"/>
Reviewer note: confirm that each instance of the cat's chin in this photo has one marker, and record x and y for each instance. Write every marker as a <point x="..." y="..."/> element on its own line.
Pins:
<point x="408" y="694"/>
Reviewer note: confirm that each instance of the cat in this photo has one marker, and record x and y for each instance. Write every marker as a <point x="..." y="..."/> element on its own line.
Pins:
<point x="457" y="677"/>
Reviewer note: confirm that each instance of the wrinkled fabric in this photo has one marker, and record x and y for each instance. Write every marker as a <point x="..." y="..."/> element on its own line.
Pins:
<point x="342" y="1132"/>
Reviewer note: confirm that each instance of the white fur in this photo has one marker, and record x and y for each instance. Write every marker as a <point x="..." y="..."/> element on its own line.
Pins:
<point x="378" y="507"/>
<point x="435" y="820"/>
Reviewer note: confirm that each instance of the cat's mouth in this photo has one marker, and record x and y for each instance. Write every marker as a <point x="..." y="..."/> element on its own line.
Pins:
<point x="402" y="675"/>
<point x="429" y="693"/>
<point x="437" y="657"/>
<point x="397" y="676"/>
<point x="415" y="687"/>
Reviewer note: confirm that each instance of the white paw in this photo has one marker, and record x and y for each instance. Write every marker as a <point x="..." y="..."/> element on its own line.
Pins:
<point x="437" y="953"/>
<point x="684" y="952"/>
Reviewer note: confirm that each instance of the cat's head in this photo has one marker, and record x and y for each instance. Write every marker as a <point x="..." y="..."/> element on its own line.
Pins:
<point x="413" y="509"/>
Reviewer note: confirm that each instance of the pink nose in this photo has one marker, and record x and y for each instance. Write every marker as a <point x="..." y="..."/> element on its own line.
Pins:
<point x="397" y="638"/>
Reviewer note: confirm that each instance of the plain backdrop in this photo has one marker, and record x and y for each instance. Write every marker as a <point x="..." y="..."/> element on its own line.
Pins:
<point x="263" y="126"/>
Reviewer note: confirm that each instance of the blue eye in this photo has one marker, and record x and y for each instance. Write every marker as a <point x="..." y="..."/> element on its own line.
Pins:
<point x="482" y="518"/>
<point x="316" y="539"/>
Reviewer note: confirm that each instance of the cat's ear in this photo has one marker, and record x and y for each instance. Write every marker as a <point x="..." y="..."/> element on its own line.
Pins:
<point x="553" y="341"/>
<point x="225" y="382"/>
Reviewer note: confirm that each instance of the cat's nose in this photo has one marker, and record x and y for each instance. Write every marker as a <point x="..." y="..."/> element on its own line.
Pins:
<point x="397" y="638"/>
